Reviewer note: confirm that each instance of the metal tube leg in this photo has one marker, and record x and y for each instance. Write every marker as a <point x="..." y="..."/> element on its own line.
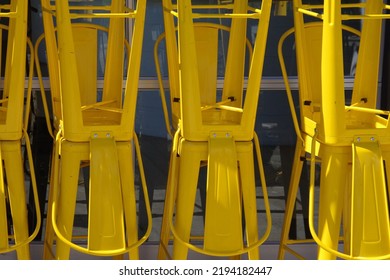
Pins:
<point x="69" y="175"/>
<point x="186" y="193"/>
<point x="3" y="207"/>
<point x="49" y="232"/>
<point x="332" y="191"/>
<point x="291" y="198"/>
<point x="15" y="177"/>
<point x="169" y="202"/>
<point x="248" y="186"/>
<point x="126" y="166"/>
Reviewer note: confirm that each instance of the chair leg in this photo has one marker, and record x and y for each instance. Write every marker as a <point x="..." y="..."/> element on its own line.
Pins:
<point x="126" y="166"/>
<point x="69" y="176"/>
<point x="48" y="253"/>
<point x="16" y="190"/>
<point x="368" y="202"/>
<point x="185" y="201"/>
<point x="248" y="185"/>
<point x="333" y="181"/>
<point x="291" y="198"/>
<point x="170" y="199"/>
<point x="223" y="221"/>
<point x="287" y="158"/>
<point x="3" y="206"/>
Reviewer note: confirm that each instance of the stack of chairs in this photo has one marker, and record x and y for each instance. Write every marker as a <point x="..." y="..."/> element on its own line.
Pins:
<point x="350" y="141"/>
<point x="94" y="128"/>
<point x="214" y="129"/>
<point x="14" y="118"/>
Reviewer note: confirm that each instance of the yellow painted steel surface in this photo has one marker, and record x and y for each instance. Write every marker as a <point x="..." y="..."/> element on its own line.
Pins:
<point x="351" y="141"/>
<point x="13" y="130"/>
<point x="217" y="132"/>
<point x="206" y="34"/>
<point x="369" y="229"/>
<point x="106" y="225"/>
<point x="223" y="225"/>
<point x="94" y="131"/>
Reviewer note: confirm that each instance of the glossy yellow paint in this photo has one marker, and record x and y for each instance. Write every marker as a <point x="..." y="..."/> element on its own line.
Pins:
<point x="369" y="222"/>
<point x="93" y="131"/>
<point x="223" y="225"/>
<point x="14" y="117"/>
<point x="351" y="141"/>
<point x="206" y="34"/>
<point x="217" y="132"/>
<point x="106" y="225"/>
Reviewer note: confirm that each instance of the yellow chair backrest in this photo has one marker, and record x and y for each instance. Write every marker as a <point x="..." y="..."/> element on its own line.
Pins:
<point x="85" y="40"/>
<point x="208" y="37"/>
<point x="87" y="45"/>
<point x="230" y="112"/>
<point x="83" y="110"/>
<point x="308" y="43"/>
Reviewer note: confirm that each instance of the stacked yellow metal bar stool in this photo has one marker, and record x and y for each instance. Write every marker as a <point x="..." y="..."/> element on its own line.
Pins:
<point x="217" y="132"/>
<point x="349" y="141"/>
<point x="94" y="128"/>
<point x="14" y="117"/>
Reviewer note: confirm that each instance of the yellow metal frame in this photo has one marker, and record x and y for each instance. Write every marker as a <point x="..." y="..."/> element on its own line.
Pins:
<point x="98" y="133"/>
<point x="307" y="46"/>
<point x="351" y="141"/>
<point x="209" y="132"/>
<point x="172" y="122"/>
<point x="14" y="117"/>
<point x="55" y="97"/>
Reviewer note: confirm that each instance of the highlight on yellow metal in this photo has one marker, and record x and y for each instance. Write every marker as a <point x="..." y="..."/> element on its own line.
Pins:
<point x="14" y="117"/>
<point x="93" y="128"/>
<point x="213" y="129"/>
<point x="350" y="141"/>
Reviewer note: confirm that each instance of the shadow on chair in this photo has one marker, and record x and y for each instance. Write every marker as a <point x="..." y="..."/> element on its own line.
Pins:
<point x="94" y="127"/>
<point x="215" y="129"/>
<point x="349" y="141"/>
<point x="14" y="118"/>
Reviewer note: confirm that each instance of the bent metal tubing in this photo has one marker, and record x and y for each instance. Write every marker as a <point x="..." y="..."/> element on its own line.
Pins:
<point x="36" y="201"/>
<point x="266" y="204"/>
<point x="102" y="252"/>
<point x="311" y="213"/>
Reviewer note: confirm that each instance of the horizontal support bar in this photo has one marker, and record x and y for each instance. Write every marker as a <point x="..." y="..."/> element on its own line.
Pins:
<point x="308" y="10"/>
<point x="8" y="14"/>
<point x="151" y="83"/>
<point x="103" y="15"/>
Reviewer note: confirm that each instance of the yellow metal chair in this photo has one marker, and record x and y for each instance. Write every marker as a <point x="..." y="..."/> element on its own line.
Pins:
<point x="98" y="131"/>
<point x="308" y="51"/>
<point x="349" y="141"/>
<point x="212" y="131"/>
<point x="208" y="40"/>
<point x="13" y="130"/>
